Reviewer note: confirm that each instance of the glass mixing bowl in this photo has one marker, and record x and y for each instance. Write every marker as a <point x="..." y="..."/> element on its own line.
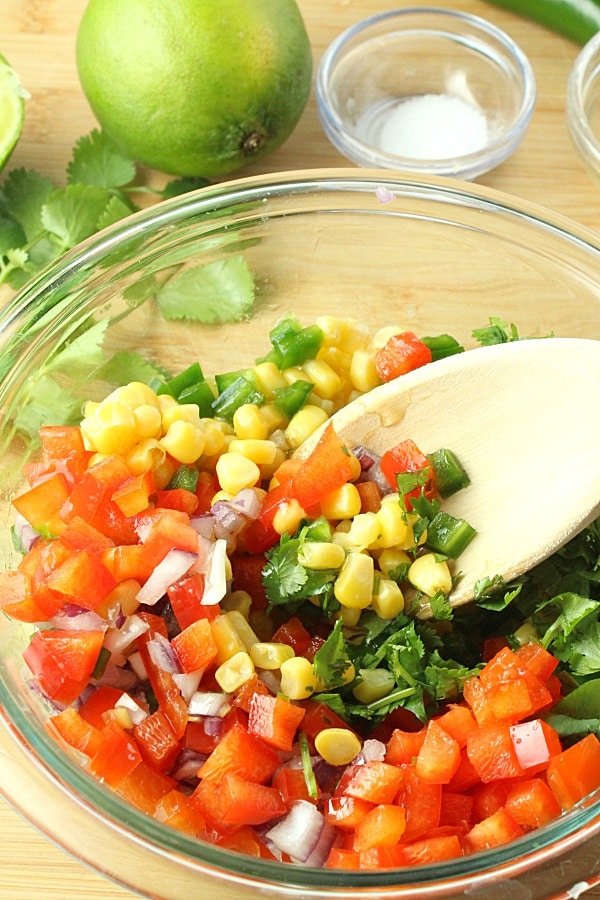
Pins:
<point x="430" y="255"/>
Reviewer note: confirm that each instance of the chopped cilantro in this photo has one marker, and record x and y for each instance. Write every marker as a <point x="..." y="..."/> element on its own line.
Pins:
<point x="219" y="291"/>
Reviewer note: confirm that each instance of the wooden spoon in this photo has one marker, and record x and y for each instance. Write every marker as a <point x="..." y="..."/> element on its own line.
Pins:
<point x="524" y="420"/>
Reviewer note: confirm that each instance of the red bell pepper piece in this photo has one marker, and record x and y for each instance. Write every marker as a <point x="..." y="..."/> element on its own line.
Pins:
<point x="42" y="503"/>
<point x="405" y="459"/>
<point x="275" y="720"/>
<point x="575" y="772"/>
<point x="377" y="782"/>
<point x="248" y="803"/>
<point x="532" y="804"/>
<point x="62" y="661"/>
<point x="401" y="354"/>
<point x="178" y="498"/>
<point x="242" y="754"/>
<point x="117" y="754"/>
<point x="195" y="646"/>
<point x="499" y="828"/>
<point x="76" y="731"/>
<point x="101" y="701"/>
<point x="421" y="802"/>
<point x="383" y="826"/>
<point x="327" y="468"/>
<point x="156" y="741"/>
<point x="185" y="597"/>
<point x="439" y="756"/>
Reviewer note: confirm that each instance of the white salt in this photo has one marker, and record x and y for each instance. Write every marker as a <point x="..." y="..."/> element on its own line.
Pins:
<point x="428" y="126"/>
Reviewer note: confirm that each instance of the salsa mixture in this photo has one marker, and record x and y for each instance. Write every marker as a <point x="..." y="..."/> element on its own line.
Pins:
<point x="232" y="637"/>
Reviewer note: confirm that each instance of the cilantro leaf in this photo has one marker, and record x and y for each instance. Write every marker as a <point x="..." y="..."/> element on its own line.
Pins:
<point x="583" y="652"/>
<point x="50" y="404"/>
<point x="497" y="332"/>
<point x="72" y="213"/>
<point x="288" y="582"/>
<point x="219" y="291"/>
<point x="22" y="198"/>
<point x="564" y="613"/>
<point x="98" y="162"/>
<point x="579" y="712"/>
<point x="331" y="660"/>
<point x="115" y="210"/>
<point x="182" y="186"/>
<point x="127" y="366"/>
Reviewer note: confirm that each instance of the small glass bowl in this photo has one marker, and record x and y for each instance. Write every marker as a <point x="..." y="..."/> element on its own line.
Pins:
<point x="583" y="106"/>
<point x="428" y="91"/>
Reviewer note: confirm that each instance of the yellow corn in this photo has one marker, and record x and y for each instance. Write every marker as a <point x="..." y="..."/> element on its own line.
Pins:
<point x="184" y="442"/>
<point x="339" y="362"/>
<point x="242" y="628"/>
<point x="354" y="585"/>
<point x="165" y="402"/>
<point x="146" y="456"/>
<point x="294" y="373"/>
<point x="288" y="517"/>
<point x="327" y="382"/>
<point x="135" y="394"/>
<point x="270" y="655"/>
<point x="248" y="423"/>
<point x="393" y="526"/>
<point x="123" y="598"/>
<point x="337" y="746"/>
<point x="240" y="601"/>
<point x="163" y="473"/>
<point x="342" y="503"/>
<point x="409" y="541"/>
<point x="391" y="558"/>
<point x="364" y="531"/>
<point x="363" y="372"/>
<point x="350" y="617"/>
<point x="184" y="412"/>
<point x="327" y="406"/>
<point x="89" y="409"/>
<point x="381" y="337"/>
<point x="429" y="576"/>
<point x="235" y="672"/>
<point x="268" y="379"/>
<point x="235" y="472"/>
<point x="214" y="436"/>
<point x="355" y="337"/>
<point x="148" y="421"/>
<point x="226" y="638"/>
<point x="259" y="451"/>
<point x="267" y="471"/>
<point x="388" y="601"/>
<point x="334" y="330"/>
<point x="374" y="684"/>
<point x="220" y="495"/>
<point x="303" y="424"/>
<point x="297" y="678"/>
<point x="321" y="555"/>
<point x="527" y="633"/>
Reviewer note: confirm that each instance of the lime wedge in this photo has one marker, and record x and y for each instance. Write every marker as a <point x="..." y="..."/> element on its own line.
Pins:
<point x="12" y="109"/>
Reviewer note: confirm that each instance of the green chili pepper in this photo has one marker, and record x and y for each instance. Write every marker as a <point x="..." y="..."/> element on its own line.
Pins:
<point x="185" y="477"/>
<point x="237" y="393"/>
<point x="292" y="344"/>
<point x="292" y="398"/>
<point x="174" y="387"/>
<point x="442" y="345"/>
<point x="448" y="535"/>
<point x="448" y="473"/>
<point x="578" y="20"/>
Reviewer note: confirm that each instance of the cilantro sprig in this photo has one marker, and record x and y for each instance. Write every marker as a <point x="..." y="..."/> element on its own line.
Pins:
<point x="40" y="221"/>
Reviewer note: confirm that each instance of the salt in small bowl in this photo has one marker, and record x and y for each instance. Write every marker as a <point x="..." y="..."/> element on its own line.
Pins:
<point x="425" y="90"/>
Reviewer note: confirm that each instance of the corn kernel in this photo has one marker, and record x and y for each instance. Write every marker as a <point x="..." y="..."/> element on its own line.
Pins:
<point x="183" y="441"/>
<point x="339" y="362"/>
<point x="135" y="394"/>
<point x="356" y="336"/>
<point x="354" y="585"/>
<point x="388" y="601"/>
<point x="235" y="472"/>
<point x="350" y="617"/>
<point x="321" y="555"/>
<point x="334" y="330"/>
<point x="429" y="576"/>
<point x="241" y="601"/>
<point x="294" y="373"/>
<point x="270" y="655"/>
<point x="214" y="436"/>
<point x="89" y="409"/>
<point x="184" y="412"/>
<point x="248" y="423"/>
<point x="297" y="678"/>
<point x="235" y="672"/>
<point x="163" y="473"/>
<point x="272" y="417"/>
<point x="381" y="337"/>
<point x="288" y="517"/>
<point x="166" y="402"/>
<point x="392" y="558"/>
<point x="268" y="379"/>
<point x="365" y="530"/>
<point x="146" y="456"/>
<point x="527" y="633"/>
<point x="242" y="628"/>
<point x="259" y="451"/>
<point x="327" y="382"/>
<point x="226" y="638"/>
<point x="409" y="541"/>
<point x="220" y="495"/>
<point x="374" y="684"/>
<point x="327" y="406"/>
<point x="363" y="371"/>
<point x="337" y="746"/>
<point x="393" y="526"/>
<point x="342" y="503"/>
<point x="267" y="471"/>
<point x="303" y="424"/>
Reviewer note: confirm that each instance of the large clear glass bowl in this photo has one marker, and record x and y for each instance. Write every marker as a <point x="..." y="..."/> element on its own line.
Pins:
<point x="432" y="256"/>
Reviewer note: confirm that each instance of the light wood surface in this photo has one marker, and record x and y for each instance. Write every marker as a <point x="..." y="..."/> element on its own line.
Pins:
<point x="38" y="38"/>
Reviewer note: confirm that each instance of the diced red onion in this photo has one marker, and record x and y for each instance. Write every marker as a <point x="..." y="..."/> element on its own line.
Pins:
<point x="209" y="703"/>
<point x="173" y="567"/>
<point x="137" y="665"/>
<point x="163" y="654"/>
<point x="298" y="833"/>
<point x="204" y="525"/>
<point x="271" y="679"/>
<point x="213" y="725"/>
<point x="187" y="765"/>
<point x="25" y="533"/>
<point x="117" y="640"/>
<point x="115" y="676"/>
<point x="72" y="617"/>
<point x="247" y="503"/>
<point x="136" y="712"/>
<point x="187" y="682"/>
<point x="370" y="465"/>
<point x="384" y="195"/>
<point x="214" y="569"/>
<point x="372" y="751"/>
<point x="324" y="844"/>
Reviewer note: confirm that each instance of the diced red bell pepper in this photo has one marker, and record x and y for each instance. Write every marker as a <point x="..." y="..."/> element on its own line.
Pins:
<point x="439" y="756"/>
<point x="340" y="858"/>
<point x="164" y="529"/>
<point x="327" y="468"/>
<point x="195" y="646"/>
<point x="244" y="694"/>
<point x="42" y="503"/>
<point x="403" y="746"/>
<point x="246" y="841"/>
<point x="318" y="717"/>
<point x="499" y="828"/>
<point x="506" y="670"/>
<point x="401" y="354"/>
<point x="101" y="701"/>
<point x="383" y="826"/>
<point x="456" y="810"/>
<point x="61" y="441"/>
<point x="117" y="754"/>
<point x="458" y="721"/>
<point x="83" y="578"/>
<point x="96" y="488"/>
<point x="377" y="782"/>
<point x="206" y="799"/>
<point x="407" y="458"/>
<point x="535" y="743"/>
<point x="275" y="720"/>
<point x="488" y="799"/>
<point x="539" y="660"/>
<point x="421" y="803"/>
<point x="532" y="804"/>
<point x="491" y="752"/>
<point x="185" y="597"/>
<point x="166" y="691"/>
<point x="62" y="661"/>
<point x="242" y="754"/>
<point x="575" y="772"/>
<point x="294" y="634"/>
<point x="247" y="576"/>
<point x="156" y="741"/>
<point x="465" y="776"/>
<point x="248" y="803"/>
<point x="175" y="810"/>
<point x="76" y="732"/>
<point x="178" y="498"/>
<point x="292" y="786"/>
<point x="16" y="597"/>
<point x="370" y="497"/>
<point x="144" y="787"/>
<point x="80" y="535"/>
<point x="429" y="850"/>
<point x="346" y="813"/>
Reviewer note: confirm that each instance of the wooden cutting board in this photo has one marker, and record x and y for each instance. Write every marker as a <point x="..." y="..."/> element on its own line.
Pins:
<point x="38" y="37"/>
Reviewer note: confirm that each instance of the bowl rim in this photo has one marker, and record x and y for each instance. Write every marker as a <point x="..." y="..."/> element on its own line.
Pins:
<point x="584" y="139"/>
<point x="320" y="182"/>
<point x="467" y="166"/>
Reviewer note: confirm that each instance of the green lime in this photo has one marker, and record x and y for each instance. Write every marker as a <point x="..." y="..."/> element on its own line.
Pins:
<point x="12" y="110"/>
<point x="195" y="87"/>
